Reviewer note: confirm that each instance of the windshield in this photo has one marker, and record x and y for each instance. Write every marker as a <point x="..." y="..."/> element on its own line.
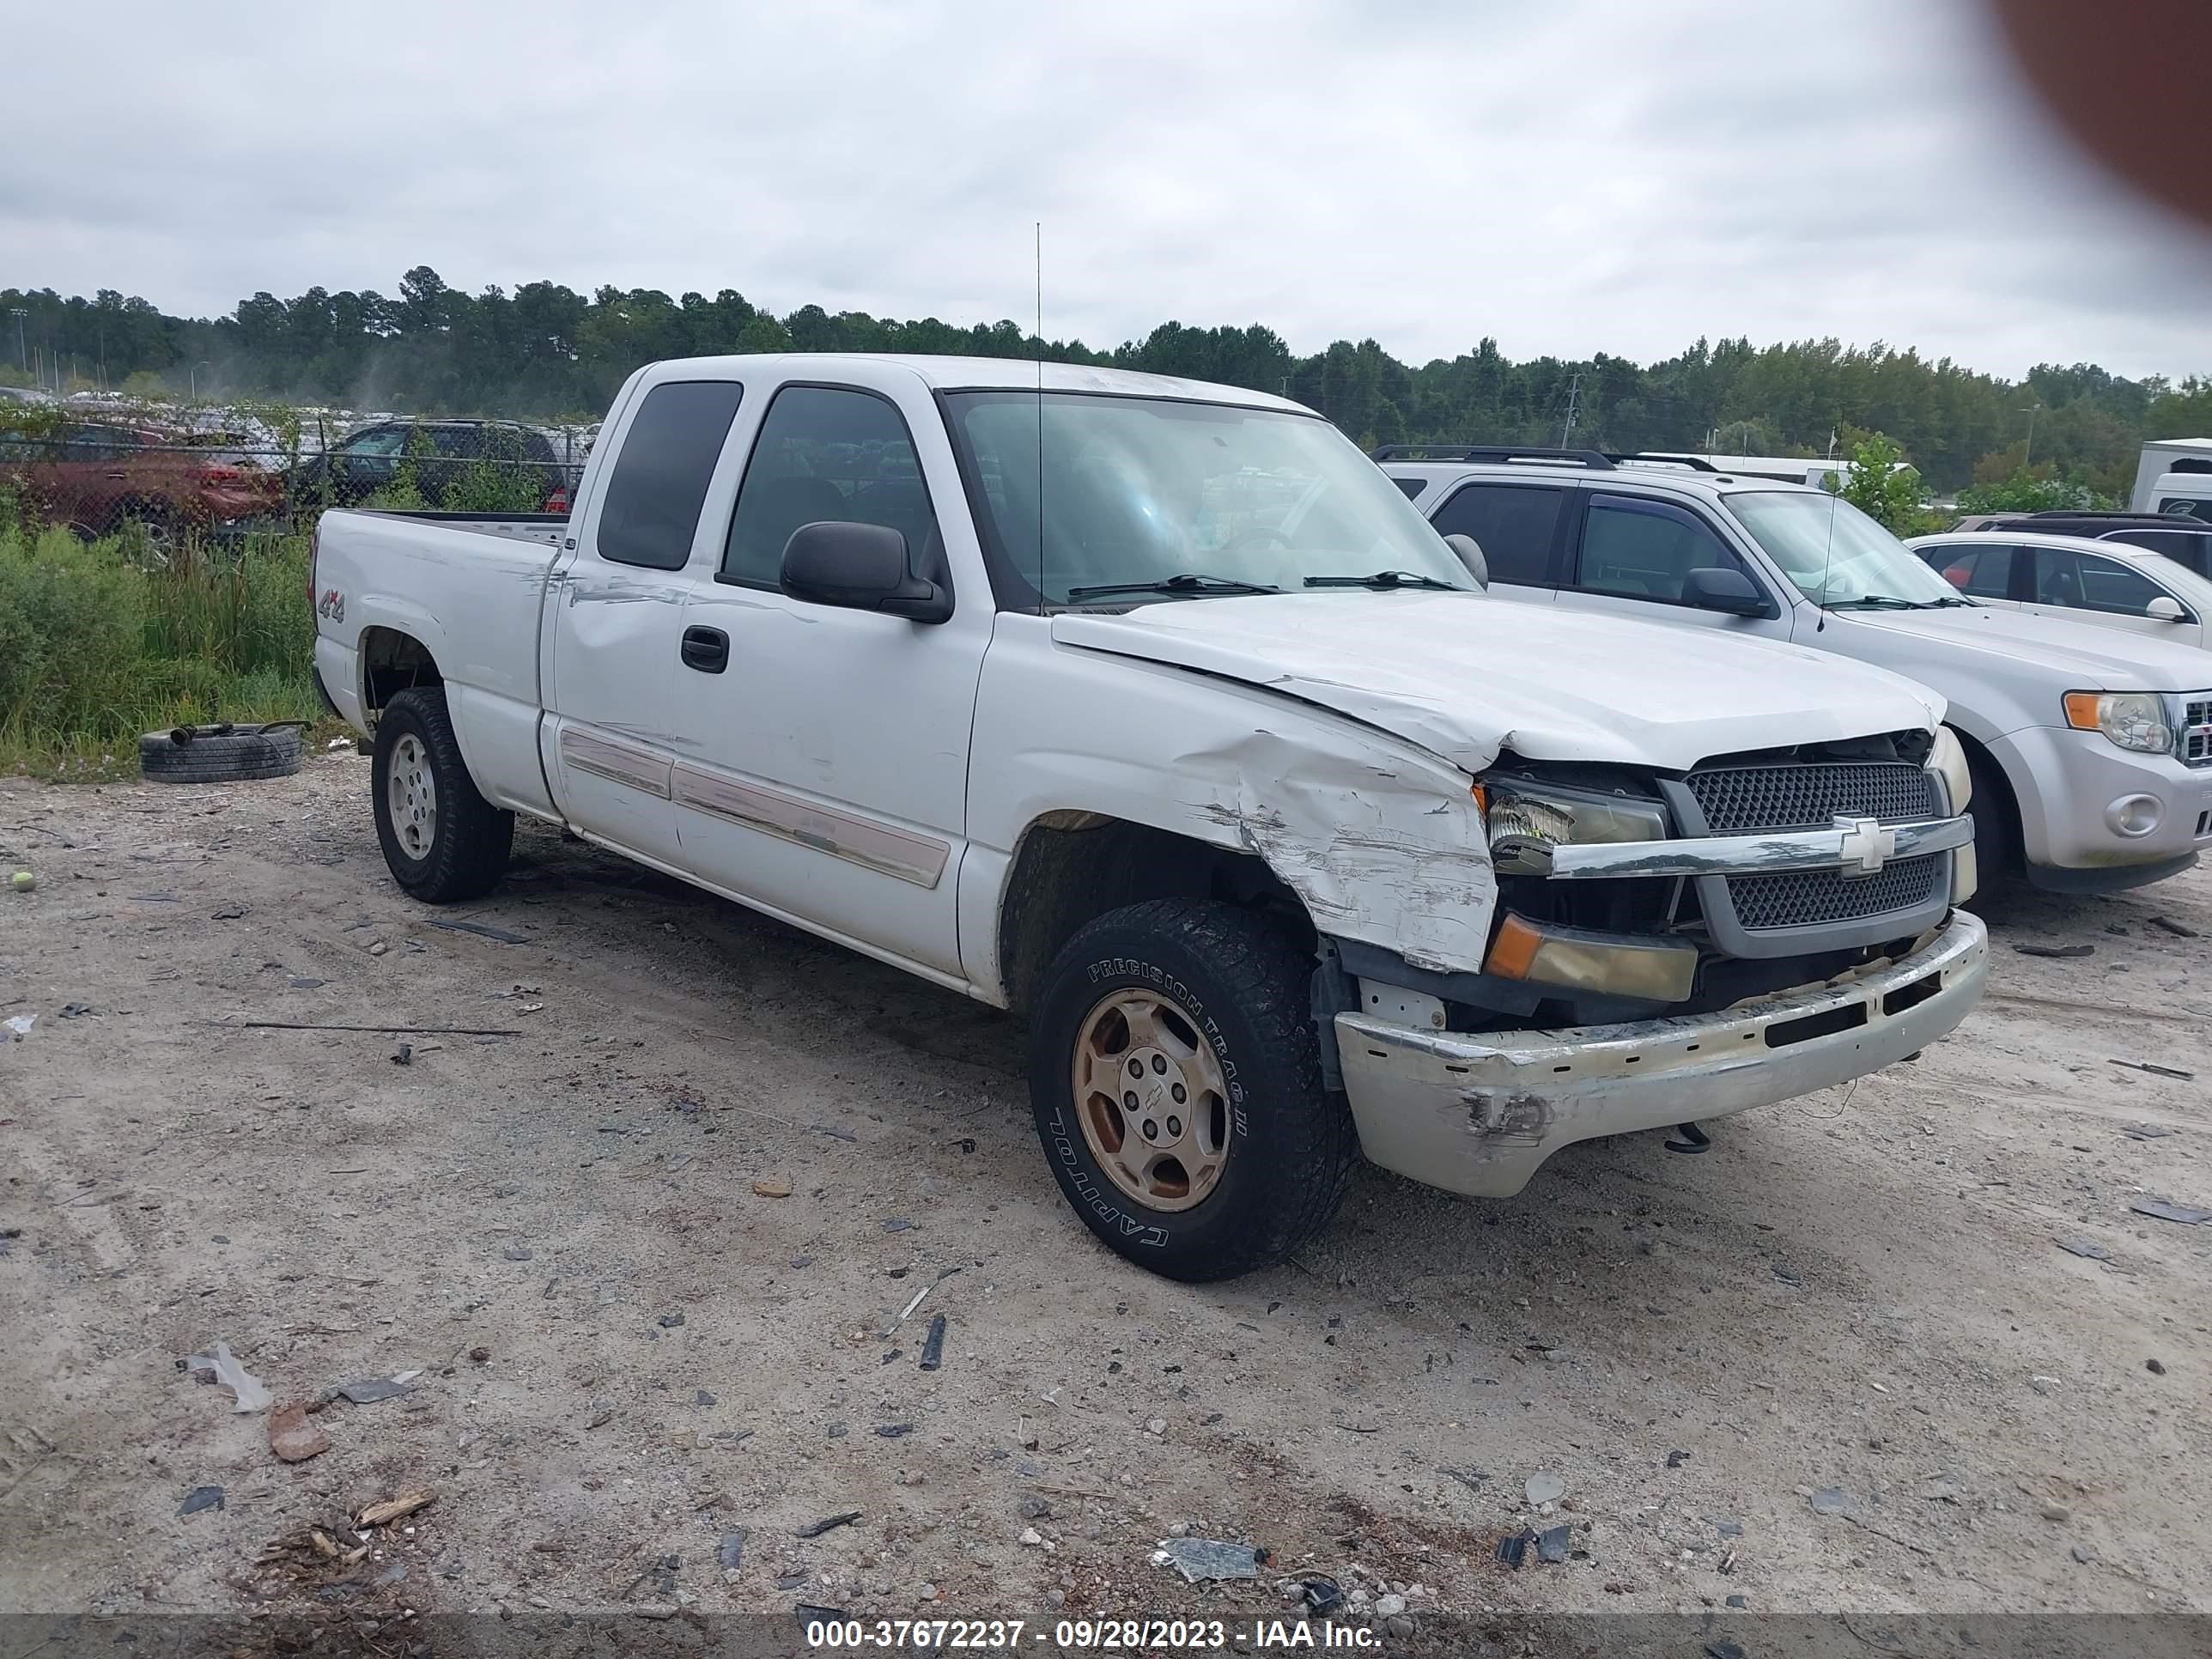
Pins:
<point x="1835" y="554"/>
<point x="1140" y="490"/>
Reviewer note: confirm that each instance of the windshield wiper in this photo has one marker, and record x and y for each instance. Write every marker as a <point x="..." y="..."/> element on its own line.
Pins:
<point x="1186" y="583"/>
<point x="1883" y="602"/>
<point x="1383" y="579"/>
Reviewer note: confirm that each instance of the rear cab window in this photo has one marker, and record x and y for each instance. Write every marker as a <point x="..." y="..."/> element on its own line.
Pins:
<point x="661" y="472"/>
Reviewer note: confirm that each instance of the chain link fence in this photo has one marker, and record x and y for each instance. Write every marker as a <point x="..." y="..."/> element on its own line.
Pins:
<point x="164" y="478"/>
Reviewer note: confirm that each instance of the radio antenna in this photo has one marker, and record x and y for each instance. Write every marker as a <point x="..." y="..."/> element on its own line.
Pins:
<point x="1040" y="412"/>
<point x="1835" y="488"/>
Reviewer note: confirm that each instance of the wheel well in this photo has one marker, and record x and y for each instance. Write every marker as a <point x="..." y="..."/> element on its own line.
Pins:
<point x="1990" y="779"/>
<point x="393" y="662"/>
<point x="1073" y="866"/>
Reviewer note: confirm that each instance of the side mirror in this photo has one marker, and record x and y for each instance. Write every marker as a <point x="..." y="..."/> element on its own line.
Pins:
<point x="1470" y="555"/>
<point x="1718" y="589"/>
<point x="860" y="567"/>
<point x="2165" y="608"/>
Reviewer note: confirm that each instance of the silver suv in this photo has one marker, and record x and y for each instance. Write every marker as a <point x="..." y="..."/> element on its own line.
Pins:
<point x="2091" y="753"/>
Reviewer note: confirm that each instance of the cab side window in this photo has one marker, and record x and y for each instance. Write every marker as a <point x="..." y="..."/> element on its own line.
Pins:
<point x="1977" y="570"/>
<point x="1640" y="548"/>
<point x="661" y="472"/>
<point x="827" y="455"/>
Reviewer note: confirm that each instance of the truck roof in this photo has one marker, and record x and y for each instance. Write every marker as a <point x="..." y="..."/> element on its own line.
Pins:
<point x="988" y="374"/>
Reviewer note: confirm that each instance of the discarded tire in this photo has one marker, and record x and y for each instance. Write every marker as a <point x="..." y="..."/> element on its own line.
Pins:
<point x="220" y="754"/>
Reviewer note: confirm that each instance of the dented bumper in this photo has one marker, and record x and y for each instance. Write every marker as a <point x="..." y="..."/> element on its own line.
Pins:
<point x="1477" y="1113"/>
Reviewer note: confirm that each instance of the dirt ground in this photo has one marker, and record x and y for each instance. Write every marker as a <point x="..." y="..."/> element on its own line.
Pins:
<point x="649" y="1254"/>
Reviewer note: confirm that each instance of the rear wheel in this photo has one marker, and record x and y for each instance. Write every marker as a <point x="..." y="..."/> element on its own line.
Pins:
<point x="442" y="840"/>
<point x="1176" y="1079"/>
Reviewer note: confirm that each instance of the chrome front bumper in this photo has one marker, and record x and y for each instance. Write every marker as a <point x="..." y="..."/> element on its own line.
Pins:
<point x="1851" y="845"/>
<point x="1477" y="1113"/>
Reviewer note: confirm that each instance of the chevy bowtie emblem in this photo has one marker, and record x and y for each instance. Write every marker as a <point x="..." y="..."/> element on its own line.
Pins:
<point x="1865" y="845"/>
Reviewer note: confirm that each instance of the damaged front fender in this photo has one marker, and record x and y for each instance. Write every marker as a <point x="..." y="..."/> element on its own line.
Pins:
<point x="1380" y="842"/>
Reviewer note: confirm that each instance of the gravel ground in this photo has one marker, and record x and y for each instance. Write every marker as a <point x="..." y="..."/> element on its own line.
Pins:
<point x="647" y="1259"/>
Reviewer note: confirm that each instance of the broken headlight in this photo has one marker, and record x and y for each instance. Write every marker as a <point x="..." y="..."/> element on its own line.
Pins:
<point x="1526" y="820"/>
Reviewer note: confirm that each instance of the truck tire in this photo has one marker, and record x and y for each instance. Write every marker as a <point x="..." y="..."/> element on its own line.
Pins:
<point x="1186" y="1003"/>
<point x="442" y="840"/>
<point x="219" y="754"/>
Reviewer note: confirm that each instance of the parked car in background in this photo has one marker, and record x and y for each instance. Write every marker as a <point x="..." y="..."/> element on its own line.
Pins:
<point x="1149" y="709"/>
<point x="2091" y="755"/>
<point x="2173" y="478"/>
<point x="2184" y="540"/>
<point x="2077" y="578"/>
<point x="516" y="463"/>
<point x="98" y="478"/>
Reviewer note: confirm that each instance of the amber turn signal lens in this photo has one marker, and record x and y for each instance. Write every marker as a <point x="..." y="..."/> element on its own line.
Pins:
<point x="2082" y="710"/>
<point x="1513" y="952"/>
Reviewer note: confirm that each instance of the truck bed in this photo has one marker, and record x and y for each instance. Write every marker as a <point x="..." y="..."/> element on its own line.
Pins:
<point x="547" y="527"/>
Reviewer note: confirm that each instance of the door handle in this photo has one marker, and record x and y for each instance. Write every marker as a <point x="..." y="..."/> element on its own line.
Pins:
<point x="706" y="649"/>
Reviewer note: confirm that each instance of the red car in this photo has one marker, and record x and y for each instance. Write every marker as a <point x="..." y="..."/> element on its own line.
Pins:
<point x="96" y="478"/>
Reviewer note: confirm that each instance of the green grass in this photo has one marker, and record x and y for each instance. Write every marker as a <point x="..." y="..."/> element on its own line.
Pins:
<point x="99" y="644"/>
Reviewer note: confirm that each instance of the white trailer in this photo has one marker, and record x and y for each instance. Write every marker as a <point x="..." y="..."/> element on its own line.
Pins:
<point x="2174" y="476"/>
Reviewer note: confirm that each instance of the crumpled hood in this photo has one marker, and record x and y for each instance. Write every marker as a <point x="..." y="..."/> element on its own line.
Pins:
<point x="1464" y="676"/>
<point x="2083" y="655"/>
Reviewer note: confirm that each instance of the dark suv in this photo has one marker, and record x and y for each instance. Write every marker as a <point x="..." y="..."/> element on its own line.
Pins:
<point x="455" y="465"/>
<point x="2186" y="541"/>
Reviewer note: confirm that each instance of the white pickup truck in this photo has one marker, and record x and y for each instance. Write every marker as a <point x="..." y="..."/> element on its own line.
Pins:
<point x="1152" y="711"/>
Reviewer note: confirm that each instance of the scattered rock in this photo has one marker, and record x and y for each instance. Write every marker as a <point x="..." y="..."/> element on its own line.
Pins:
<point x="1032" y="1539"/>
<point x="898" y="1224"/>
<point x="1544" y="1488"/>
<point x="702" y="1398"/>
<point x="1676" y="1459"/>
<point x="670" y="1321"/>
<point x="480" y="1355"/>
<point x="1829" y="1500"/>
<point x="2084" y="1554"/>
<point x="2156" y="1367"/>
<point x="2057" y="1512"/>
<point x="292" y="1438"/>
<point x="2057" y="952"/>
<point x="655" y="1609"/>
<point x="519" y="1252"/>
<point x="772" y="1188"/>
<point x="1390" y="1607"/>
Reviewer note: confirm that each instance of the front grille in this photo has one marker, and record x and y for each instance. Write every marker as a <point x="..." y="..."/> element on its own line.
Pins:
<point x="2197" y="732"/>
<point x="1811" y="796"/>
<point x="1798" y="897"/>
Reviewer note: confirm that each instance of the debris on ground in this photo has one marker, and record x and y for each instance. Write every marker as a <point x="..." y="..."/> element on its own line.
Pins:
<point x="670" y="1321"/>
<point x="1552" y="1544"/>
<point x="246" y="1389"/>
<point x="1544" y="1488"/>
<point x="480" y="1355"/>
<point x="201" y="1498"/>
<point x="2156" y="1367"/>
<point x="1513" y="1548"/>
<point x="292" y="1438"/>
<point x="22" y="881"/>
<point x="731" y="1551"/>
<point x="827" y="1523"/>
<point x="1322" y="1595"/>
<point x="2157" y="1071"/>
<point x="404" y="1054"/>
<point x="2179" y="930"/>
<point x="2057" y="952"/>
<point x="18" y="1026"/>
<point x="78" y="1011"/>
<point x="479" y="930"/>
<point x="1829" y="1500"/>
<point x="1199" y="1559"/>
<point x="2082" y="1247"/>
<point x="1676" y="1459"/>
<point x="933" y="1345"/>
<point x="772" y="1188"/>
<point x="394" y="1509"/>
<point x="370" y="1390"/>
<point x="2187" y="1215"/>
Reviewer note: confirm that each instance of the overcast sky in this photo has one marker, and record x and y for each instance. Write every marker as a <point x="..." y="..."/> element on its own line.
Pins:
<point x="1567" y="177"/>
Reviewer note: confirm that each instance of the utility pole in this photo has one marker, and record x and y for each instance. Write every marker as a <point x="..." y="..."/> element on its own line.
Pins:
<point x="2028" y="453"/>
<point x="1574" y="388"/>
<point x="22" y="351"/>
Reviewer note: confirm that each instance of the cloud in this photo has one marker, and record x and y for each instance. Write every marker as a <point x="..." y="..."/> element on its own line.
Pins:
<point x="1588" y="177"/>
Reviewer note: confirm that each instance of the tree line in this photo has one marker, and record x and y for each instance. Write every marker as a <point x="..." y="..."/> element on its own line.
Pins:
<point x="544" y="350"/>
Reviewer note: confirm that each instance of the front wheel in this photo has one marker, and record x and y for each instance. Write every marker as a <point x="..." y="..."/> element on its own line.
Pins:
<point x="1176" y="1077"/>
<point x="442" y="840"/>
